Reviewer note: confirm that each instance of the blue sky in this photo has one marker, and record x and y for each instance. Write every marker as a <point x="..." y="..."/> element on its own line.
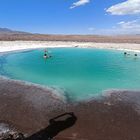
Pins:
<point x="71" y="16"/>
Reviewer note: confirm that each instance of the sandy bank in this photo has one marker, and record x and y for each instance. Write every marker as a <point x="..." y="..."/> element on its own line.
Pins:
<point x="21" y="45"/>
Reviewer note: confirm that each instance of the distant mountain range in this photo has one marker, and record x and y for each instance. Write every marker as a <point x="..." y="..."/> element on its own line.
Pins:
<point x="9" y="31"/>
<point x="12" y="35"/>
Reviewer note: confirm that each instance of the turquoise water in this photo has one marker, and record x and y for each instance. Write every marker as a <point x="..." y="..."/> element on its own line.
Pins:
<point x="81" y="73"/>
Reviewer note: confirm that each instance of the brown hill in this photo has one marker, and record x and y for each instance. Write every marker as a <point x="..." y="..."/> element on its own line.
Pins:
<point x="79" y="38"/>
<point x="11" y="35"/>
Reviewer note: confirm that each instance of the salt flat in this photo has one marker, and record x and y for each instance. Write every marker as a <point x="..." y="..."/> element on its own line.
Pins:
<point x="6" y="46"/>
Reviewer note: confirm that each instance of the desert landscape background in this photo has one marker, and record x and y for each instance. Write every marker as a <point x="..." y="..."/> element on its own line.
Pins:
<point x="10" y="35"/>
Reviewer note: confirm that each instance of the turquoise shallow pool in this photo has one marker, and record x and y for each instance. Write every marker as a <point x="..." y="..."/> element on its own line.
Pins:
<point x="81" y="73"/>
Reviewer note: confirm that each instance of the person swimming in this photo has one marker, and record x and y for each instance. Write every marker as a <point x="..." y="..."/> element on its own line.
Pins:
<point x="125" y="53"/>
<point x="46" y="55"/>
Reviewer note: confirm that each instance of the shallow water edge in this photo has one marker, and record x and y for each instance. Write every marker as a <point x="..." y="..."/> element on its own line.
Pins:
<point x="132" y="96"/>
<point x="120" y="66"/>
<point x="29" y="108"/>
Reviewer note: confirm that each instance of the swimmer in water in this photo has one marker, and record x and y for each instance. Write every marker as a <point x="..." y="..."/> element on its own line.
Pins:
<point x="45" y="56"/>
<point x="125" y="53"/>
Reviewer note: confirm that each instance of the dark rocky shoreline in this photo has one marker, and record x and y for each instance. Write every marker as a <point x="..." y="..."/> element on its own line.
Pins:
<point x="29" y="108"/>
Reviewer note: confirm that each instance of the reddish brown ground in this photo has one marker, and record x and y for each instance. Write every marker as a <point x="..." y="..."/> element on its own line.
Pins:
<point x="81" y="38"/>
<point x="29" y="109"/>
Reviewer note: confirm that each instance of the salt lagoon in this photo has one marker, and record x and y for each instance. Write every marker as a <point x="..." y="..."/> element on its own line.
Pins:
<point x="78" y="73"/>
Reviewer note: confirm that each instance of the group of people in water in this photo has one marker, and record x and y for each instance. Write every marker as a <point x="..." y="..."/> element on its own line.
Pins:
<point x="125" y="53"/>
<point x="46" y="55"/>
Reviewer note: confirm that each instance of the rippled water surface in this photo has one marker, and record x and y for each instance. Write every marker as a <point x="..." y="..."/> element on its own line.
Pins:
<point x="81" y="73"/>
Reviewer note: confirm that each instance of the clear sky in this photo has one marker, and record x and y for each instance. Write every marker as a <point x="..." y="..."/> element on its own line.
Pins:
<point x="71" y="16"/>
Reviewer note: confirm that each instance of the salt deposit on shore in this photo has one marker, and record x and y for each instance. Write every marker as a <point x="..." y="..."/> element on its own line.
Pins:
<point x="29" y="108"/>
<point x="6" y="46"/>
